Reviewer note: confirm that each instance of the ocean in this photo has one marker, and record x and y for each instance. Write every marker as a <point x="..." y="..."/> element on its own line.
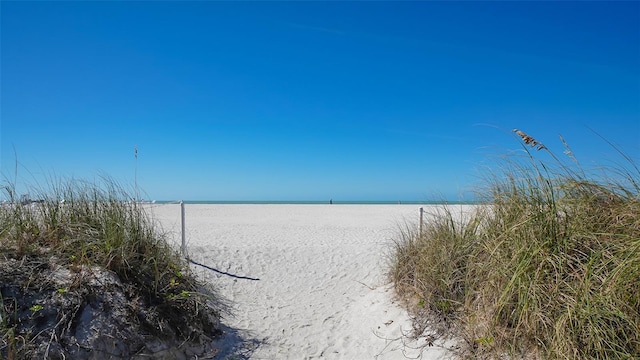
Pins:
<point x="313" y="202"/>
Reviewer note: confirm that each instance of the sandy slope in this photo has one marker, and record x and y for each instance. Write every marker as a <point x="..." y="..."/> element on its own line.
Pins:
<point x="321" y="291"/>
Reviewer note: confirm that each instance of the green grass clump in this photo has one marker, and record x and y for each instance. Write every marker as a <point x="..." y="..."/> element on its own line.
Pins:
<point x="92" y="224"/>
<point x="549" y="267"/>
<point x="81" y="225"/>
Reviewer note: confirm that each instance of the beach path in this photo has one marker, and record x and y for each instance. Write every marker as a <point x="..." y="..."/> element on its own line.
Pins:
<point x="303" y="281"/>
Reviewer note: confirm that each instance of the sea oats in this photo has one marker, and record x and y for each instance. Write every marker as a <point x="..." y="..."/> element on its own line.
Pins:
<point x="529" y="140"/>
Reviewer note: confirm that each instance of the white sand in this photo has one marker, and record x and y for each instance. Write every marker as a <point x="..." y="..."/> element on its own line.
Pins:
<point x="322" y="290"/>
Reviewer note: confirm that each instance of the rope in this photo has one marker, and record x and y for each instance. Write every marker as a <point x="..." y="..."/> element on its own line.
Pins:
<point x="223" y="272"/>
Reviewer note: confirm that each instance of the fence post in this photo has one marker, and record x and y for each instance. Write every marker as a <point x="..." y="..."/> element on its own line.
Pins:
<point x="184" y="245"/>
<point x="421" y="212"/>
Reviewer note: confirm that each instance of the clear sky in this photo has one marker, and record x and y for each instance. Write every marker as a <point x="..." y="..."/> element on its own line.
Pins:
<point x="310" y="100"/>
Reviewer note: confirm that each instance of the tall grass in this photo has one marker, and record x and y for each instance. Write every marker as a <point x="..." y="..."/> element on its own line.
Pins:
<point x="79" y="224"/>
<point x="90" y="223"/>
<point x="548" y="268"/>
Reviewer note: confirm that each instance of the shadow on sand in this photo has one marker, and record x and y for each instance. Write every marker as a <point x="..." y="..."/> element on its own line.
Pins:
<point x="223" y="272"/>
<point x="234" y="344"/>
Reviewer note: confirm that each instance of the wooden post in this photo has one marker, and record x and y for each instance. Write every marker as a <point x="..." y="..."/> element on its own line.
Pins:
<point x="421" y="212"/>
<point x="184" y="245"/>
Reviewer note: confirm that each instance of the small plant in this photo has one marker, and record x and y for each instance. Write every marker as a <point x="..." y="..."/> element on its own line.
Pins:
<point x="484" y="340"/>
<point x="444" y="306"/>
<point x="35" y="309"/>
<point x="184" y="294"/>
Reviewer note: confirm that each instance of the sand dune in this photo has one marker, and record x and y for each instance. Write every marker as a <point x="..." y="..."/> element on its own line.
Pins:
<point x="304" y="281"/>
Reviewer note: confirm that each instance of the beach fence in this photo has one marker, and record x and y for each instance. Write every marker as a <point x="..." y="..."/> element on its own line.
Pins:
<point x="185" y="255"/>
<point x="183" y="232"/>
<point x="183" y="246"/>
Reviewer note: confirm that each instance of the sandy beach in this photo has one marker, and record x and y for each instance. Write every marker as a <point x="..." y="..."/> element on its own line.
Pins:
<point x="303" y="281"/>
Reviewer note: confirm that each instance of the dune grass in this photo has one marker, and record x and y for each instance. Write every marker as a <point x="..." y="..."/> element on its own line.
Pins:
<point x="548" y="268"/>
<point x="79" y="225"/>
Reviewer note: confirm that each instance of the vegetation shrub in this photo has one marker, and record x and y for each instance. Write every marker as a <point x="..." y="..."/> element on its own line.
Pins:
<point x="78" y="234"/>
<point x="547" y="267"/>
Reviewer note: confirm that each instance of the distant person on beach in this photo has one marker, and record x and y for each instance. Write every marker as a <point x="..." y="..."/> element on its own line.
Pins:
<point x="331" y="202"/>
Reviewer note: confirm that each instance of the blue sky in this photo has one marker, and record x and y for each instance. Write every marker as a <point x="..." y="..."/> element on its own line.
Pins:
<point x="310" y="100"/>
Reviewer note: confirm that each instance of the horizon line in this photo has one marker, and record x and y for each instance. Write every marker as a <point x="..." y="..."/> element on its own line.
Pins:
<point x="313" y="202"/>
